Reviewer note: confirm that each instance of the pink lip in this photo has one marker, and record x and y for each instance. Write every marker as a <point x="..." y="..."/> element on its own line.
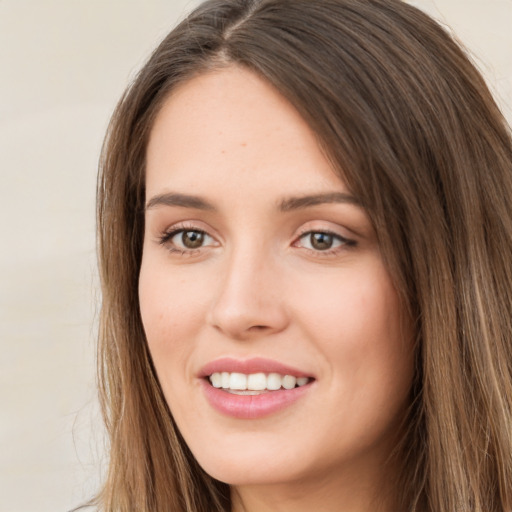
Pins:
<point x="251" y="406"/>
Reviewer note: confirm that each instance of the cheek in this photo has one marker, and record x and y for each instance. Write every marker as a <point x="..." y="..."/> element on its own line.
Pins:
<point x="368" y="350"/>
<point x="171" y="311"/>
<point x="361" y="309"/>
<point x="356" y="322"/>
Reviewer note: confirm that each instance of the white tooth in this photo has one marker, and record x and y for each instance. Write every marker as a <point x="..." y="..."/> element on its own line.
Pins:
<point x="216" y="380"/>
<point x="301" y="381"/>
<point x="256" y="381"/>
<point x="225" y="380"/>
<point x="274" y="381"/>
<point x="238" y="381"/>
<point x="245" y="392"/>
<point x="289" y="381"/>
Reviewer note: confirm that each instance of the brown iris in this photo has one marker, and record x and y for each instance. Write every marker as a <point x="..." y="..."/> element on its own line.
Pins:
<point x="321" y="241"/>
<point x="192" y="239"/>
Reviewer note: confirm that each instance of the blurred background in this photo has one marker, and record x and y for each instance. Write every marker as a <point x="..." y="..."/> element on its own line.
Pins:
<point x="63" y="65"/>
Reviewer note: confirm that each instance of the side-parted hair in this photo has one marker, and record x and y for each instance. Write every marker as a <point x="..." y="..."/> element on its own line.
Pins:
<point x="410" y="126"/>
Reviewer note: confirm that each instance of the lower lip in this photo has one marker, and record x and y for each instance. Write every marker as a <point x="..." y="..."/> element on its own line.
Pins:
<point x="250" y="407"/>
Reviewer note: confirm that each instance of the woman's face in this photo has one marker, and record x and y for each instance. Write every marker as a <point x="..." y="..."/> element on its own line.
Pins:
<point x="260" y="270"/>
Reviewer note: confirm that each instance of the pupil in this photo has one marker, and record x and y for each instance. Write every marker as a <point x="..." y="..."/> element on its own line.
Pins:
<point x="321" y="241"/>
<point x="192" y="239"/>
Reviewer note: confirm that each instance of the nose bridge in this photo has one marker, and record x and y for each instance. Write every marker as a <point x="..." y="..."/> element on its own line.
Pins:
<point x="247" y="299"/>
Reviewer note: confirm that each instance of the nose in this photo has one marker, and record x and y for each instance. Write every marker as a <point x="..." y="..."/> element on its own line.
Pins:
<point x="249" y="302"/>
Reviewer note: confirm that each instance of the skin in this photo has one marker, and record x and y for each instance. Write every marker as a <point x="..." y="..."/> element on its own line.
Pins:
<point x="258" y="287"/>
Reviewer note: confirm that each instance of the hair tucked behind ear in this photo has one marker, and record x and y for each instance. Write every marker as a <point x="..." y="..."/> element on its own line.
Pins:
<point x="412" y="129"/>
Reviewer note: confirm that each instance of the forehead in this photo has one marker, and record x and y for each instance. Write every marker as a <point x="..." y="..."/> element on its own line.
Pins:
<point x="231" y="128"/>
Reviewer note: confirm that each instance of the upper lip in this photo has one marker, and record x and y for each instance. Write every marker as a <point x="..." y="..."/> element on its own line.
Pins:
<point x="248" y="366"/>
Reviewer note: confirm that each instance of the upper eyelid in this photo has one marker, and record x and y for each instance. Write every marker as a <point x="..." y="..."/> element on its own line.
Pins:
<point x="187" y="226"/>
<point x="173" y="231"/>
<point x="320" y="230"/>
<point x="346" y="241"/>
<point x="328" y="230"/>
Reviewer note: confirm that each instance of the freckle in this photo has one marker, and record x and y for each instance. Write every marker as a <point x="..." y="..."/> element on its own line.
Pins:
<point x="223" y="151"/>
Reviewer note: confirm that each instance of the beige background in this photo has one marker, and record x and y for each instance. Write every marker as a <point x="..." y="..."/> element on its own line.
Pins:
<point x="63" y="65"/>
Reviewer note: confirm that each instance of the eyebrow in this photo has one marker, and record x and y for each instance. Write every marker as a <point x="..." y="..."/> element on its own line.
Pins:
<point x="286" y="205"/>
<point x="183" y="200"/>
<point x="299" y="203"/>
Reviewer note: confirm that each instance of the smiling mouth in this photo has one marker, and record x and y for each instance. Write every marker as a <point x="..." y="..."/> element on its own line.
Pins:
<point x="255" y="383"/>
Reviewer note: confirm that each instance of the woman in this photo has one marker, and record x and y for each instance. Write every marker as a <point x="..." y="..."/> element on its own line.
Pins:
<point x="305" y="234"/>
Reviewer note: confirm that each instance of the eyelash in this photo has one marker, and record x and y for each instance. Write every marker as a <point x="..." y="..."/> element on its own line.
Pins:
<point x="167" y="236"/>
<point x="344" y="242"/>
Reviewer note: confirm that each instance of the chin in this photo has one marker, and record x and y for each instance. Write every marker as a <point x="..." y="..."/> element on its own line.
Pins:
<point x="253" y="473"/>
<point x="253" y="463"/>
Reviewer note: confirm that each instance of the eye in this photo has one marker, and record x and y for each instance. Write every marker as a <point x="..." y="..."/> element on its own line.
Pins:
<point x="189" y="239"/>
<point x="183" y="240"/>
<point x="323" y="241"/>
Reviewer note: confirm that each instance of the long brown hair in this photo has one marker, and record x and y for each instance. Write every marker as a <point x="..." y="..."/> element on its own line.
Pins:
<point x="412" y="129"/>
